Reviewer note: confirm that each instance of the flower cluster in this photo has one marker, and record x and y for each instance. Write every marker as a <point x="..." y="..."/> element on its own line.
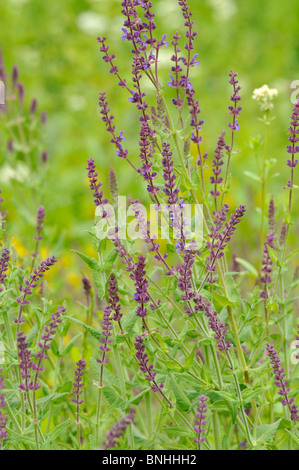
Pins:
<point x="221" y="233"/>
<point x="118" y="429"/>
<point x="169" y="175"/>
<point x="185" y="280"/>
<point x="4" y="259"/>
<point x="78" y="384"/>
<point x="271" y="216"/>
<point x="26" y="363"/>
<point x="113" y="299"/>
<point x="202" y="305"/>
<point x="107" y="328"/>
<point x="264" y="96"/>
<point x="38" y="273"/>
<point x="147" y="369"/>
<point x="266" y="265"/>
<point x="141" y="283"/>
<point x="281" y="383"/>
<point x="95" y="185"/>
<point x="217" y="164"/>
<point x="235" y="98"/>
<point x="108" y="120"/>
<point x="46" y="339"/>
<point x="3" y="420"/>
<point x="200" y="420"/>
<point x="39" y="222"/>
<point x="293" y="138"/>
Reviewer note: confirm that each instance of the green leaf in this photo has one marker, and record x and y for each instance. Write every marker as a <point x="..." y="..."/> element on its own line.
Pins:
<point x="266" y="432"/>
<point x="59" y="429"/>
<point x="189" y="360"/>
<point x="91" y="262"/>
<point x="110" y="259"/>
<point x="181" y="400"/>
<point x="114" y="399"/>
<point x="95" y="333"/>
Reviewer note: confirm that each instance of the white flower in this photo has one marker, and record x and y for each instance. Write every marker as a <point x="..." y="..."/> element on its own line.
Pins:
<point x="265" y="95"/>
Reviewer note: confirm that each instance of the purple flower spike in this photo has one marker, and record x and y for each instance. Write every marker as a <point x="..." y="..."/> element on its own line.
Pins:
<point x="266" y="265"/>
<point x="46" y="340"/>
<point x="118" y="430"/>
<point x="235" y="98"/>
<point x="26" y="363"/>
<point x="108" y="119"/>
<point x="107" y="328"/>
<point x="39" y="223"/>
<point x="3" y="420"/>
<point x="142" y="359"/>
<point x="281" y="383"/>
<point x="114" y="298"/>
<point x="221" y="233"/>
<point x="4" y="260"/>
<point x="95" y="185"/>
<point x="37" y="274"/>
<point x="200" y="420"/>
<point x="141" y="283"/>
<point x="217" y="164"/>
<point x="271" y="216"/>
<point x="202" y="305"/>
<point x="293" y="149"/>
<point x="78" y="383"/>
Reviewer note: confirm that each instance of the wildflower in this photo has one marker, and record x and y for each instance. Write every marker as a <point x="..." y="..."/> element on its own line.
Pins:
<point x="4" y="259"/>
<point x="293" y="149"/>
<point x="46" y="340"/>
<point x="142" y="359"/>
<point x="141" y="283"/>
<point x="281" y="383"/>
<point x="39" y="222"/>
<point x="200" y="420"/>
<point x="78" y="384"/>
<point x="271" y="216"/>
<point x="114" y="298"/>
<point x="235" y="98"/>
<point x="217" y="166"/>
<point x="221" y="233"/>
<point x="185" y="272"/>
<point x="95" y="185"/>
<point x="37" y="274"/>
<point x="202" y="305"/>
<point x="105" y="340"/>
<point x="264" y="96"/>
<point x="266" y="265"/>
<point x="26" y="363"/>
<point x="108" y="119"/>
<point x="169" y="175"/>
<point x="118" y="429"/>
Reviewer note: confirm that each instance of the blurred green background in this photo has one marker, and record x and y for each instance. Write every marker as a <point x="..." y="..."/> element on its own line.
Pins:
<point x="54" y="45"/>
